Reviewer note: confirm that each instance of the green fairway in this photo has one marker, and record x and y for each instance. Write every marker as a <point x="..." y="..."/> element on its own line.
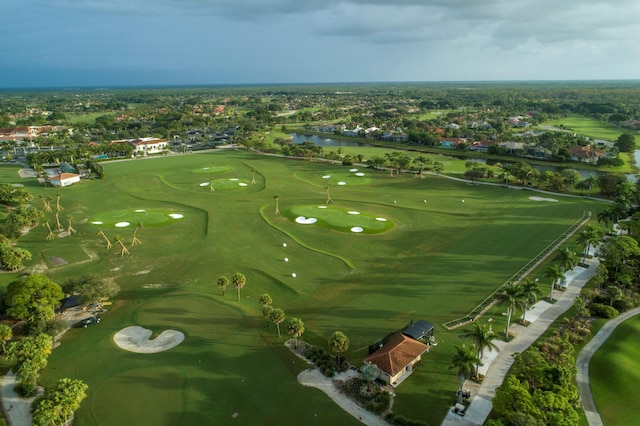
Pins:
<point x="442" y="247"/>
<point x="589" y="127"/>
<point x="614" y="375"/>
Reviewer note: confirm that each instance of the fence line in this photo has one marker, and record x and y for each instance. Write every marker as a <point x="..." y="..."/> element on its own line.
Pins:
<point x="492" y="299"/>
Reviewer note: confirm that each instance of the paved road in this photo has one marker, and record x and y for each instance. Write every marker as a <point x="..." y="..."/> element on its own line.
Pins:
<point x="584" y="357"/>
<point x="524" y="337"/>
<point x="18" y="409"/>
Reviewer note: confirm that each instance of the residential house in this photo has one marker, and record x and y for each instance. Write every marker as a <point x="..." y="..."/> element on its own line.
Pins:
<point x="585" y="154"/>
<point x="481" y="146"/>
<point x="394" y="136"/>
<point x="352" y="132"/>
<point x="451" y="142"/>
<point x="64" y="179"/>
<point x="396" y="359"/>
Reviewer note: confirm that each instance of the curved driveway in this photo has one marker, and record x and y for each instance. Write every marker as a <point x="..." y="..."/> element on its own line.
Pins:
<point x="584" y="357"/>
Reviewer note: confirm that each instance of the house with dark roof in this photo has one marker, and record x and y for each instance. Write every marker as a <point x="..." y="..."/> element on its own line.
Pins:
<point x="419" y="330"/>
<point x="396" y="359"/>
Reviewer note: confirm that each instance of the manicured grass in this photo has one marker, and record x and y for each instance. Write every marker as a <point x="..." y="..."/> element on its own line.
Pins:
<point x="614" y="375"/>
<point x="437" y="261"/>
<point x="589" y="127"/>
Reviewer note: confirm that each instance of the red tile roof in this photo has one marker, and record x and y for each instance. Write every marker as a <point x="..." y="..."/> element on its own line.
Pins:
<point x="396" y="354"/>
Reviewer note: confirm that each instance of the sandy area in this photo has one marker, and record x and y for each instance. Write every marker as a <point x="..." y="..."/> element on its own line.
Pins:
<point x="136" y="339"/>
<point x="552" y="200"/>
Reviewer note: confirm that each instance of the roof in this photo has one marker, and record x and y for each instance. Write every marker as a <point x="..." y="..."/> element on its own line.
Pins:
<point x="65" y="176"/>
<point x="418" y="329"/>
<point x="399" y="352"/>
<point x="70" y="302"/>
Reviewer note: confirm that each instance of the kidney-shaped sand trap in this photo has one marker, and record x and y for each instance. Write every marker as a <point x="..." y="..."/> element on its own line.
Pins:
<point x="136" y="339"/>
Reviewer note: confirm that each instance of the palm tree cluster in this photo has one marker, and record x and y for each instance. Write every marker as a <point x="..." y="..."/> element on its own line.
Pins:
<point x="522" y="294"/>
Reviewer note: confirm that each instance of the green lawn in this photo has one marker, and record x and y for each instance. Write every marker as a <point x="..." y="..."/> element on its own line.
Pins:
<point x="589" y="127"/>
<point x="614" y="375"/>
<point x="437" y="258"/>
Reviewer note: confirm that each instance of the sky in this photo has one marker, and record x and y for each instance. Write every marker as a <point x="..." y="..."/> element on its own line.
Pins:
<point x="96" y="43"/>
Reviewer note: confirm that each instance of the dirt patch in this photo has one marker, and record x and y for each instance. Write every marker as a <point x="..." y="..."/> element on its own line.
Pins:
<point x="57" y="261"/>
<point x="552" y="200"/>
<point x="137" y="339"/>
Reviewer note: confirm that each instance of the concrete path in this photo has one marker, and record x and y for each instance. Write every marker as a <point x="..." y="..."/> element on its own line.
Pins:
<point x="17" y="409"/>
<point x="314" y="378"/>
<point x="481" y="405"/>
<point x="584" y="357"/>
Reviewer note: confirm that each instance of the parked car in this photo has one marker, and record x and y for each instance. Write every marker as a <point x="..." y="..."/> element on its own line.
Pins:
<point x="88" y="321"/>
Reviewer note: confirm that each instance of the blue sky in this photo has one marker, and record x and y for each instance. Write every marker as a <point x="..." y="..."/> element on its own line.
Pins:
<point x="71" y="43"/>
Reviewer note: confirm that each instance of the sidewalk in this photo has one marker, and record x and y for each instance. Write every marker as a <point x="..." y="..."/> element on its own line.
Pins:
<point x="584" y="357"/>
<point x="18" y="409"/>
<point x="481" y="405"/>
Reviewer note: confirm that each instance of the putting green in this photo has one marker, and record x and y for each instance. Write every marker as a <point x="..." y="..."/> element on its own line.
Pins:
<point x="227" y="184"/>
<point x="345" y="177"/>
<point x="209" y="170"/>
<point x="353" y="221"/>
<point x="126" y="218"/>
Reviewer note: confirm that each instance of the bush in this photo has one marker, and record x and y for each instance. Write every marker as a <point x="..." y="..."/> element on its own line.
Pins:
<point x="25" y="390"/>
<point x="55" y="327"/>
<point x="400" y="420"/>
<point x="603" y="311"/>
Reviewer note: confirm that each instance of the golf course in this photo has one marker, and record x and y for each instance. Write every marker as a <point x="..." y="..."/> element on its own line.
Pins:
<point x="343" y="248"/>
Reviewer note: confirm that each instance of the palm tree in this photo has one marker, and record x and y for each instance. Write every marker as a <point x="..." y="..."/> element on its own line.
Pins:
<point x="276" y="316"/>
<point x="590" y="182"/>
<point x="239" y="281"/>
<point x="438" y="167"/>
<point x="567" y="258"/>
<point x="588" y="237"/>
<point x="101" y="234"/>
<point x="556" y="275"/>
<point x="118" y="239"/>
<point x="512" y="295"/>
<point x="223" y="282"/>
<point x="277" y="198"/>
<point x="464" y="361"/>
<point x="530" y="293"/>
<point x="70" y="229"/>
<point x="51" y="235"/>
<point x="296" y="328"/>
<point x="265" y="300"/>
<point x="135" y="239"/>
<point x="58" y="206"/>
<point x="338" y="344"/>
<point x="482" y="336"/>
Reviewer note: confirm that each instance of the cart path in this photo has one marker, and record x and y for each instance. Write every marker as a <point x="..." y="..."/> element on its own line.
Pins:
<point x="481" y="405"/>
<point x="584" y="358"/>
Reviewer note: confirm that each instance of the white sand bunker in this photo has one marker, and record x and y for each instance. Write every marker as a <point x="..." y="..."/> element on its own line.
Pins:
<point x="359" y="174"/>
<point x="242" y="184"/>
<point x="205" y="184"/>
<point x="136" y="339"/>
<point x="326" y="176"/>
<point x="381" y="219"/>
<point x="353" y="212"/>
<point x="357" y="229"/>
<point x="322" y="207"/>
<point x="234" y="179"/>
<point x="97" y="222"/>
<point x="176" y="216"/>
<point x="122" y="224"/>
<point x="353" y="170"/>
<point x="342" y="183"/>
<point x="306" y="220"/>
<point x="552" y="200"/>
<point x="140" y="210"/>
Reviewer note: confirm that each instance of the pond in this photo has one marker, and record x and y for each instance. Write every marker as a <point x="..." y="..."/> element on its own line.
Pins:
<point x="328" y="140"/>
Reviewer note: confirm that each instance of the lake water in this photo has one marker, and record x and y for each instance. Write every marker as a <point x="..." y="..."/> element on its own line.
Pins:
<point x="324" y="141"/>
<point x="331" y="140"/>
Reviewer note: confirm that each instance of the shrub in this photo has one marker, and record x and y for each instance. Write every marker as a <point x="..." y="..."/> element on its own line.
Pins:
<point x="603" y="311"/>
<point x="400" y="420"/>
